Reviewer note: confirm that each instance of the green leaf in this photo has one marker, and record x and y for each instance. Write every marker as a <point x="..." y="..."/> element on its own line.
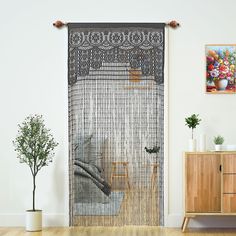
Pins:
<point x="192" y="121"/>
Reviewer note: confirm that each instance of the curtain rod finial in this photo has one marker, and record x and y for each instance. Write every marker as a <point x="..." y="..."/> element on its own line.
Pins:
<point x="173" y="24"/>
<point x="59" y="24"/>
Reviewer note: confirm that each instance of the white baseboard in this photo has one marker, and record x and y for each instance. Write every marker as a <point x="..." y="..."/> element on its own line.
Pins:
<point x="175" y="220"/>
<point x="172" y="220"/>
<point x="18" y="220"/>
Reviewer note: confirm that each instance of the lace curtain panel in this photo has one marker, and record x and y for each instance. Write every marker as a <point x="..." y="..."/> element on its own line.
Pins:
<point x="116" y="123"/>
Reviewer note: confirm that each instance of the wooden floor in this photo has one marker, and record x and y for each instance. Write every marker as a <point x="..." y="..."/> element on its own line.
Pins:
<point x="139" y="207"/>
<point x="116" y="231"/>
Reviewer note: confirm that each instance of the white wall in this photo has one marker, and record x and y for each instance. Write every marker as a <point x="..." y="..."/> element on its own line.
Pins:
<point x="33" y="75"/>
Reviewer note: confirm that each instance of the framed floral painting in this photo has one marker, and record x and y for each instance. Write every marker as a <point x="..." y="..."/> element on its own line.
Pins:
<point x="220" y="69"/>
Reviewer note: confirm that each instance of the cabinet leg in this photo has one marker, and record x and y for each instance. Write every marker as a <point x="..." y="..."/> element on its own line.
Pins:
<point x="185" y="223"/>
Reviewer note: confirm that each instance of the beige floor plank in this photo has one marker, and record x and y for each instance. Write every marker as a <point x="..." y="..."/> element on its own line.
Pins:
<point x="117" y="231"/>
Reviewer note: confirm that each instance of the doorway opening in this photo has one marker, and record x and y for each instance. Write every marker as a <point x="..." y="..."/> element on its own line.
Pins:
<point x="116" y="119"/>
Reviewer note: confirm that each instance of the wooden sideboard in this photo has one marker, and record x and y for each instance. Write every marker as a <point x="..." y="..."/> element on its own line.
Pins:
<point x="209" y="184"/>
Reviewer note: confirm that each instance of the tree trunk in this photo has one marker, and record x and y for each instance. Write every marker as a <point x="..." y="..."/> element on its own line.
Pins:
<point x="34" y="187"/>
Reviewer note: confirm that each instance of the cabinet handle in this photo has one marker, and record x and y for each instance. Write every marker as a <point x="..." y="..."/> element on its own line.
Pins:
<point x="220" y="168"/>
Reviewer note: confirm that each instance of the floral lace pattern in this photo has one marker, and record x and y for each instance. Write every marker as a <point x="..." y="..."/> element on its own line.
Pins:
<point x="139" y="46"/>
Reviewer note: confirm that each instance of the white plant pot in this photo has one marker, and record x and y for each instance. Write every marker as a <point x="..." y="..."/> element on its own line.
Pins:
<point x="33" y="220"/>
<point x="218" y="147"/>
<point x="192" y="143"/>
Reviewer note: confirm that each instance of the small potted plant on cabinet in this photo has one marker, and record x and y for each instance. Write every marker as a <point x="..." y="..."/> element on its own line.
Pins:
<point x="192" y="122"/>
<point x="34" y="146"/>
<point x="218" y="141"/>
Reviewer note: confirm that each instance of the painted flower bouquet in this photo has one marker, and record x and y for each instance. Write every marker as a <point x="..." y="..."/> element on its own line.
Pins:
<point x="220" y="67"/>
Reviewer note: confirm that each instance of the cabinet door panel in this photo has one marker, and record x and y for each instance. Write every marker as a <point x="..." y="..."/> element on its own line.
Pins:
<point x="203" y="183"/>
<point x="229" y="183"/>
<point x="229" y="163"/>
<point x="229" y="203"/>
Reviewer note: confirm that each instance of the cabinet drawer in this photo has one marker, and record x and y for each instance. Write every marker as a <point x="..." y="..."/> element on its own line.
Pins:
<point x="229" y="163"/>
<point x="229" y="203"/>
<point x="229" y="183"/>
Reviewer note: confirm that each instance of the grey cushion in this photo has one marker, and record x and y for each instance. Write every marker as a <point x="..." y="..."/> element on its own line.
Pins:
<point x="96" y="151"/>
<point x="83" y="147"/>
<point x="89" y="150"/>
<point x="87" y="191"/>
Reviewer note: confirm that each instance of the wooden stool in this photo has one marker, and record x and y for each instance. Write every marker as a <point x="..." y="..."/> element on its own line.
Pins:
<point x="154" y="167"/>
<point x="125" y="175"/>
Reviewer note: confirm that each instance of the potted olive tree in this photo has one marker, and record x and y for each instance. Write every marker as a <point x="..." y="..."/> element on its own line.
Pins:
<point x="192" y="122"/>
<point x="34" y="145"/>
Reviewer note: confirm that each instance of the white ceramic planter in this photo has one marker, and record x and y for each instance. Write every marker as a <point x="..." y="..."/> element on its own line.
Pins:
<point x="192" y="143"/>
<point x="218" y="147"/>
<point x="33" y="220"/>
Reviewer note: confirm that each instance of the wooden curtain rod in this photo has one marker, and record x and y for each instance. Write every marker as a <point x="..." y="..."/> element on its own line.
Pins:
<point x="59" y="24"/>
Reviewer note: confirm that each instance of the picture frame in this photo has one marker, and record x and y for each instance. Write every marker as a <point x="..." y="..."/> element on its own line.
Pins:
<point x="220" y="68"/>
